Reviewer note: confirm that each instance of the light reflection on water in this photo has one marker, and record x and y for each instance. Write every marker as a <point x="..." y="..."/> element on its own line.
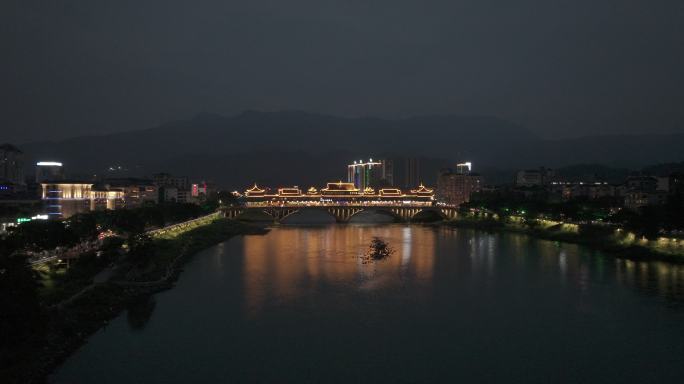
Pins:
<point x="298" y="305"/>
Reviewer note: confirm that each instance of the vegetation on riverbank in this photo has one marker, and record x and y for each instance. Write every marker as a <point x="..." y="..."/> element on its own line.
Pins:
<point x="618" y="242"/>
<point x="43" y="327"/>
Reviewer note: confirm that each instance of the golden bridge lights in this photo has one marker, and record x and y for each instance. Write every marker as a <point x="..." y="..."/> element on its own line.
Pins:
<point x="294" y="191"/>
<point x="338" y="193"/>
<point x="339" y="189"/>
<point x="391" y="192"/>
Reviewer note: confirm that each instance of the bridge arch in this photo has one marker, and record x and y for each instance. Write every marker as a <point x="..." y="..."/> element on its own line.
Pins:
<point x="375" y="210"/>
<point x="428" y="215"/>
<point x="310" y="215"/>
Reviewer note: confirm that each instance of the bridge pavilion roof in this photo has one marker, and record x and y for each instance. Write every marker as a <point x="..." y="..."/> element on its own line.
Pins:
<point x="340" y="187"/>
<point x="294" y="191"/>
<point x="422" y="190"/>
<point x="391" y="192"/>
<point x="255" y="191"/>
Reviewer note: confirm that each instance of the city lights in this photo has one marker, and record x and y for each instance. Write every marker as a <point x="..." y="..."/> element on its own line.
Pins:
<point x="48" y="164"/>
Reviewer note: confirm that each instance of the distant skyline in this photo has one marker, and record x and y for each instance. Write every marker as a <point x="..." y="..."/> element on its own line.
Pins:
<point x="559" y="68"/>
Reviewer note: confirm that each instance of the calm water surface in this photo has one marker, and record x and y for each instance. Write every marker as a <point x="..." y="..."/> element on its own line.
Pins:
<point x="297" y="305"/>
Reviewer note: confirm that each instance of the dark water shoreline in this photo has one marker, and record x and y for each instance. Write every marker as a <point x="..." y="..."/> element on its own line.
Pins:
<point x="70" y="326"/>
<point x="602" y="241"/>
<point x="297" y="305"/>
<point x="87" y="315"/>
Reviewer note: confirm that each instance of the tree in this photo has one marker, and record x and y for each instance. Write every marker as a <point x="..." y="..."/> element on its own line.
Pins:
<point x="84" y="226"/>
<point x="20" y="313"/>
<point x="40" y="235"/>
<point x="141" y="248"/>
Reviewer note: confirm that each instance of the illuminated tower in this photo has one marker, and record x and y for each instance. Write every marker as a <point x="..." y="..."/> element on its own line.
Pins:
<point x="49" y="171"/>
<point x="364" y="175"/>
<point x="464" y="168"/>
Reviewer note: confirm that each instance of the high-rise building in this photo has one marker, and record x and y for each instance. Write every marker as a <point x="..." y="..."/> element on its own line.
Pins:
<point x="388" y="172"/>
<point x="412" y="177"/>
<point x="11" y="164"/>
<point x="365" y="174"/>
<point x="455" y="188"/>
<point x="49" y="171"/>
<point x="464" y="168"/>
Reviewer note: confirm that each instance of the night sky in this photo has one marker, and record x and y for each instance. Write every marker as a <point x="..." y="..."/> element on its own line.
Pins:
<point x="561" y="68"/>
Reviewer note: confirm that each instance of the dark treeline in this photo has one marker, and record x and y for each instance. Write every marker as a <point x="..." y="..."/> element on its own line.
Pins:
<point x="40" y="235"/>
<point x="648" y="221"/>
<point x="23" y="312"/>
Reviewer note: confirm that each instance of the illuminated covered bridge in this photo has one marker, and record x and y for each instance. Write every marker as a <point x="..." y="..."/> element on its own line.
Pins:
<point x="340" y="200"/>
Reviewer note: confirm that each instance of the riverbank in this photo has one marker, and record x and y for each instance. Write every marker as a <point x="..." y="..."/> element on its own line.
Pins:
<point x="70" y="322"/>
<point x="613" y="241"/>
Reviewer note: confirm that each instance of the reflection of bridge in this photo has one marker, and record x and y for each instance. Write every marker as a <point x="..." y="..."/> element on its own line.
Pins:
<point x="342" y="213"/>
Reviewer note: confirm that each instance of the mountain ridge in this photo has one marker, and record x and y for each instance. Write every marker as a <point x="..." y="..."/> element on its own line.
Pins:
<point x="199" y="143"/>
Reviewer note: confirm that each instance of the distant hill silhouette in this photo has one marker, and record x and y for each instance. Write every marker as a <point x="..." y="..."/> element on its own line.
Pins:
<point x="298" y="147"/>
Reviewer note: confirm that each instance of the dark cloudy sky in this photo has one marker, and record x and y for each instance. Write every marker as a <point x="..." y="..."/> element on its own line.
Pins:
<point x="562" y="68"/>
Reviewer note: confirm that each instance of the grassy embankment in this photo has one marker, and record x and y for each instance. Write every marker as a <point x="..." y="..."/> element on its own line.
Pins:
<point x="617" y="242"/>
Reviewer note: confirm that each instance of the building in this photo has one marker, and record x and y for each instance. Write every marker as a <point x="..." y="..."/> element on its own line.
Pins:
<point x="11" y="190"/>
<point x="167" y="180"/>
<point x="642" y="183"/>
<point x="203" y="191"/>
<point x="412" y="176"/>
<point x="636" y="199"/>
<point x="171" y="188"/>
<point x="534" y="177"/>
<point x="49" y="171"/>
<point x="11" y="165"/>
<point x="663" y="183"/>
<point x="456" y="188"/>
<point x="66" y="198"/>
<point x="464" y="168"/>
<point x="676" y="184"/>
<point x="365" y="174"/>
<point x="642" y="191"/>
<point x="574" y="190"/>
<point x="185" y="196"/>
<point x="168" y="194"/>
<point x="388" y="172"/>
<point x="102" y="198"/>
<point x="136" y="192"/>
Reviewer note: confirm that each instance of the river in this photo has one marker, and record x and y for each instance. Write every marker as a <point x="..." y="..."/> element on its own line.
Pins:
<point x="298" y="305"/>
